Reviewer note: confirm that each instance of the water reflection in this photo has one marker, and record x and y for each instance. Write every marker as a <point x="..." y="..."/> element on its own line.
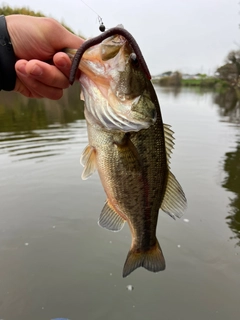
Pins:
<point x="20" y="114"/>
<point x="230" y="109"/>
<point x="35" y="129"/>
<point x="229" y="104"/>
<point x="232" y="183"/>
<point x="55" y="260"/>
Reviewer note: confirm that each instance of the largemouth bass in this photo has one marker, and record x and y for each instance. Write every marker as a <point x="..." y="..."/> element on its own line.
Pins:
<point x="130" y="148"/>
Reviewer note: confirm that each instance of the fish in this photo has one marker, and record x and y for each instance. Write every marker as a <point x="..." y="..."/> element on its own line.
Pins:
<point x="129" y="147"/>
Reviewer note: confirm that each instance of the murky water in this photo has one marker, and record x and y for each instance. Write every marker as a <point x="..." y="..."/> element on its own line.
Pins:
<point x="56" y="262"/>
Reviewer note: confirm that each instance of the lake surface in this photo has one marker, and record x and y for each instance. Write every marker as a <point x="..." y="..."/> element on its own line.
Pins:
<point x="56" y="262"/>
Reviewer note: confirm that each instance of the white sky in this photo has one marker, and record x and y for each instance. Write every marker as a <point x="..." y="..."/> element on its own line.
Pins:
<point x="185" y="35"/>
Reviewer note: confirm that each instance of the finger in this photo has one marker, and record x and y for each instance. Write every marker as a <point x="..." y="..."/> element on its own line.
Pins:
<point x="31" y="87"/>
<point x="47" y="74"/>
<point x="20" y="87"/>
<point x="35" y="89"/>
<point x="62" y="62"/>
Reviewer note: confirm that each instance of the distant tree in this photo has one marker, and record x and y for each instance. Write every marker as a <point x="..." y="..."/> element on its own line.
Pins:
<point x="227" y="72"/>
<point x="6" y="10"/>
<point x="167" y="73"/>
<point x="230" y="72"/>
<point x="174" y="79"/>
<point x="234" y="58"/>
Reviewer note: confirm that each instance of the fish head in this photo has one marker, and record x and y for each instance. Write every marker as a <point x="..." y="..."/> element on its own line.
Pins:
<point x="115" y="87"/>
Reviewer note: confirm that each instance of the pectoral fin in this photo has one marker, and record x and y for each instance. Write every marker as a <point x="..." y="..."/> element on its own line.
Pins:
<point x="174" y="202"/>
<point x="88" y="161"/>
<point x="110" y="219"/>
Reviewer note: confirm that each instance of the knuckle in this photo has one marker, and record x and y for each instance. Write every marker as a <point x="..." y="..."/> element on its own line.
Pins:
<point x="34" y="85"/>
<point x="59" y="80"/>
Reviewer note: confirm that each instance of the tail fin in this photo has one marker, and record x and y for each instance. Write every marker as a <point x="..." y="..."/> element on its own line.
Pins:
<point x="152" y="260"/>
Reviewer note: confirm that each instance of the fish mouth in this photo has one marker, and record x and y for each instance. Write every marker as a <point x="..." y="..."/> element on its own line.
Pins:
<point x="119" y="30"/>
<point x="99" y="61"/>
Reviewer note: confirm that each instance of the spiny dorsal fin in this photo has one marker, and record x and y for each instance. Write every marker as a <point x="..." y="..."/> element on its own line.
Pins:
<point x="110" y="219"/>
<point x="174" y="201"/>
<point x="87" y="160"/>
<point x="169" y="144"/>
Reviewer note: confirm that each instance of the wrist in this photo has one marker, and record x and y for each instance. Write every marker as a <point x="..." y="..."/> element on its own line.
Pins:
<point x="7" y="58"/>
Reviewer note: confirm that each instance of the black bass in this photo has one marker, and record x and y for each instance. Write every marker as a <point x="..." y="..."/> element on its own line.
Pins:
<point x="129" y="146"/>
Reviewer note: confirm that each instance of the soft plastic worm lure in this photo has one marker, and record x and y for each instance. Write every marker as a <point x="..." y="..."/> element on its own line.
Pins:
<point x="98" y="39"/>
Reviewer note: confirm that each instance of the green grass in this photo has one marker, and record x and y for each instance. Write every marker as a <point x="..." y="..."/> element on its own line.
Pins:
<point x="204" y="82"/>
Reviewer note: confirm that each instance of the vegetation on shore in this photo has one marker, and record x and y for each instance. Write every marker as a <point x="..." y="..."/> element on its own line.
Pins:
<point x="209" y="82"/>
<point x="199" y="80"/>
<point x="226" y="77"/>
<point x="6" y="10"/>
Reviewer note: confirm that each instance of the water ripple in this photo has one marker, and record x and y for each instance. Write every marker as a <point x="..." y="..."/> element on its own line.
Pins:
<point x="39" y="144"/>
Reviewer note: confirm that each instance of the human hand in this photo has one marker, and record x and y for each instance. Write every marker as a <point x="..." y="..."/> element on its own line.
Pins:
<point x="36" y="40"/>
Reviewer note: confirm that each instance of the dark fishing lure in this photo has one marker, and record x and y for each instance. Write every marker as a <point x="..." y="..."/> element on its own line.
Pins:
<point x="98" y="39"/>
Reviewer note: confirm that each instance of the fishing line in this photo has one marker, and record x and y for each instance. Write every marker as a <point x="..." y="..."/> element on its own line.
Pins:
<point x="100" y="20"/>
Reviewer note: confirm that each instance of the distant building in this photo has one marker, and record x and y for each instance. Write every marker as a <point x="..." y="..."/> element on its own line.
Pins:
<point x="187" y="76"/>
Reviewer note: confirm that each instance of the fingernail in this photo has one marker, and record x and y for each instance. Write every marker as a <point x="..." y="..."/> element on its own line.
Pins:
<point x="21" y="69"/>
<point x="61" y="63"/>
<point x="36" y="71"/>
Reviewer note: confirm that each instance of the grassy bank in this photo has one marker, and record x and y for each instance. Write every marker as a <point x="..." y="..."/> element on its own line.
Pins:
<point x="205" y="82"/>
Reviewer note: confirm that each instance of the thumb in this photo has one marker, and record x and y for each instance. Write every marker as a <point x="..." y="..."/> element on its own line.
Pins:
<point x="61" y="38"/>
<point x="70" y="40"/>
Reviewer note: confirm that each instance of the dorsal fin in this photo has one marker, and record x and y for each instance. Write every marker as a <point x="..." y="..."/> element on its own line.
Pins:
<point x="169" y="144"/>
<point x="87" y="160"/>
<point x="110" y="219"/>
<point x="174" y="201"/>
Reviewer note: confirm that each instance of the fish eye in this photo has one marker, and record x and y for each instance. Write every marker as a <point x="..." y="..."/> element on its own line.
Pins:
<point x="133" y="59"/>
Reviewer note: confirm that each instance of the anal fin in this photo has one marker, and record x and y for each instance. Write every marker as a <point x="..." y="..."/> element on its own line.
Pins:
<point x="110" y="219"/>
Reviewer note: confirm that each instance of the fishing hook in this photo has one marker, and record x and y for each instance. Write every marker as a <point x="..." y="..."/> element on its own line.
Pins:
<point x="98" y="39"/>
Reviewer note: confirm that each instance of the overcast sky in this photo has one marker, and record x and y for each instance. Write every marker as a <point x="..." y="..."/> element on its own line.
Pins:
<point x="186" y="35"/>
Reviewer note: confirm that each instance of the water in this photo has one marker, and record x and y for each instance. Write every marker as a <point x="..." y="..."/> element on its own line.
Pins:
<point x="57" y="263"/>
